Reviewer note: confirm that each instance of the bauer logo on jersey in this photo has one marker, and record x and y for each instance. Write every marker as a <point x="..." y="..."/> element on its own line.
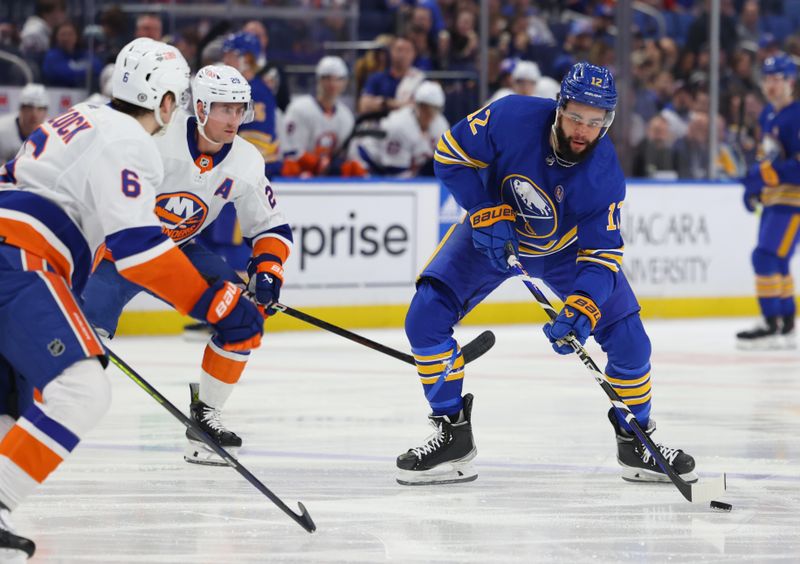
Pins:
<point x="181" y="213"/>
<point x="536" y="215"/>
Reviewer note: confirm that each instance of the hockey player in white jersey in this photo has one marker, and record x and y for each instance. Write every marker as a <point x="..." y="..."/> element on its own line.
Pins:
<point x="15" y="128"/>
<point x="317" y="126"/>
<point x="207" y="165"/>
<point x="411" y="136"/>
<point x="84" y="180"/>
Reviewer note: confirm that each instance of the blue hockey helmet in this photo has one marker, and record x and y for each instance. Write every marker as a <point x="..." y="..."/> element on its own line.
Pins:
<point x="242" y="43"/>
<point x="780" y="64"/>
<point x="591" y="85"/>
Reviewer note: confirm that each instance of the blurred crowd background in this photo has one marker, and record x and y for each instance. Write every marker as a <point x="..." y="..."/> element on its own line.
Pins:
<point x="528" y="46"/>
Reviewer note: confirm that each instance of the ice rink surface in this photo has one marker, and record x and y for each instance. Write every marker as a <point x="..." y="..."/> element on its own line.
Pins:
<point x="323" y="419"/>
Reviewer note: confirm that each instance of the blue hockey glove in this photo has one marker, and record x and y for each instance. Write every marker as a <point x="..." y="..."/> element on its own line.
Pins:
<point x="237" y="322"/>
<point x="753" y="185"/>
<point x="578" y="316"/>
<point x="266" y="279"/>
<point x="492" y="228"/>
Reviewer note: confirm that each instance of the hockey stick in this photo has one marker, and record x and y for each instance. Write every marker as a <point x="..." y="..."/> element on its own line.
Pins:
<point x="699" y="492"/>
<point x="472" y="350"/>
<point x="303" y="519"/>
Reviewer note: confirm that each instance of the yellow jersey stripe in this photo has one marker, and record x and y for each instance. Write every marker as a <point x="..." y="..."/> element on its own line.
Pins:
<point x="617" y="382"/>
<point x="460" y="152"/>
<point x="787" y="243"/>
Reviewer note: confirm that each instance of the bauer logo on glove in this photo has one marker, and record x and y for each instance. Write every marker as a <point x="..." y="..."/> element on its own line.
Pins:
<point x="490" y="216"/>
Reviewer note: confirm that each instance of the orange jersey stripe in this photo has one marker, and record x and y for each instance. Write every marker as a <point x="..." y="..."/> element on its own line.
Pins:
<point x="272" y="246"/>
<point x="78" y="322"/>
<point x="32" y="456"/>
<point x="24" y="236"/>
<point x="222" y="368"/>
<point x="171" y="277"/>
<point x="31" y="261"/>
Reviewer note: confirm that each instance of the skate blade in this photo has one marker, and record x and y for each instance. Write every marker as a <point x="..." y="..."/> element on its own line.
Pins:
<point x="446" y="473"/>
<point x="766" y="344"/>
<point x="199" y="453"/>
<point x="641" y="475"/>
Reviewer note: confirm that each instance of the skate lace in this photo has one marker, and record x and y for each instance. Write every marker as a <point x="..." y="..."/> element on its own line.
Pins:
<point x="212" y="418"/>
<point x="669" y="453"/>
<point x="432" y="443"/>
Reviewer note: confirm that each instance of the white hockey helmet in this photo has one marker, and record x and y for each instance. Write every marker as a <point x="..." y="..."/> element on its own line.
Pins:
<point x="331" y="66"/>
<point x="526" y="70"/>
<point x="429" y="93"/>
<point x="221" y="83"/>
<point x="146" y="70"/>
<point x="33" y="94"/>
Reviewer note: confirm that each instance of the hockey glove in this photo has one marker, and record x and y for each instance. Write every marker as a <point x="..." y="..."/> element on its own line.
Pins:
<point x="578" y="316"/>
<point x="492" y="227"/>
<point x="266" y="279"/>
<point x="753" y="185"/>
<point x="237" y="322"/>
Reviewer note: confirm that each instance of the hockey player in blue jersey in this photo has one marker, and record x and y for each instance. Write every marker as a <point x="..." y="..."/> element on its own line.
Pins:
<point x="775" y="182"/>
<point x="542" y="175"/>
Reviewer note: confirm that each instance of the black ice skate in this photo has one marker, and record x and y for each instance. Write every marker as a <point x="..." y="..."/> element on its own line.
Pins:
<point x="788" y="333"/>
<point x="446" y="456"/>
<point x="209" y="420"/>
<point x="13" y="548"/>
<point x="637" y="462"/>
<point x="765" y="337"/>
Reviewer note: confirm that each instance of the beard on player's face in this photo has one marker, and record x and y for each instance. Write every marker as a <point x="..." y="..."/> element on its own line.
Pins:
<point x="564" y="145"/>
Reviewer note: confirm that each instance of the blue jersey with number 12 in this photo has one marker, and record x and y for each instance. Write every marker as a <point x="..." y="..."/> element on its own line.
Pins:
<point x="502" y="154"/>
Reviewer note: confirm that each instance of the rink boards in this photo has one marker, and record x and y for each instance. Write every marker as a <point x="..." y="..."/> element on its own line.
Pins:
<point x="359" y="246"/>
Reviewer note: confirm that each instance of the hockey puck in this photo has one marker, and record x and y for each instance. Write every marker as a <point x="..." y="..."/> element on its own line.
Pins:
<point x="721" y="506"/>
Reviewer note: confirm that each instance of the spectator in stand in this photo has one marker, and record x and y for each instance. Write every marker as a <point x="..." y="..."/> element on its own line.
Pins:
<point x="270" y="71"/>
<point x="744" y="110"/>
<point x="577" y="46"/>
<point x="411" y="136"/>
<point x="187" y="40"/>
<point x="768" y="46"/>
<point x="67" y="65"/>
<point x="114" y="23"/>
<point x="677" y="111"/>
<point x="750" y="27"/>
<point x="655" y="155"/>
<point x="662" y="87"/>
<point x="240" y="50"/>
<point x="38" y="29"/>
<point x="317" y="127"/>
<point x="527" y="80"/>
<point x="697" y="38"/>
<point x="373" y="61"/>
<point x="420" y="32"/>
<point x="149" y="25"/>
<point x="393" y="88"/>
<point x="692" y="151"/>
<point x="15" y="128"/>
<point x="742" y="78"/>
<point x="464" y="43"/>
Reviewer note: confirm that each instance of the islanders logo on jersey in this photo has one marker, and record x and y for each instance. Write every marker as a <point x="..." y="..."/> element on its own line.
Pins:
<point x="536" y="215"/>
<point x="182" y="214"/>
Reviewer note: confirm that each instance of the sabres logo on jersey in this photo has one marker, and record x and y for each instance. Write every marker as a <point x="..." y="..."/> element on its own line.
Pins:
<point x="182" y="214"/>
<point x="536" y="215"/>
